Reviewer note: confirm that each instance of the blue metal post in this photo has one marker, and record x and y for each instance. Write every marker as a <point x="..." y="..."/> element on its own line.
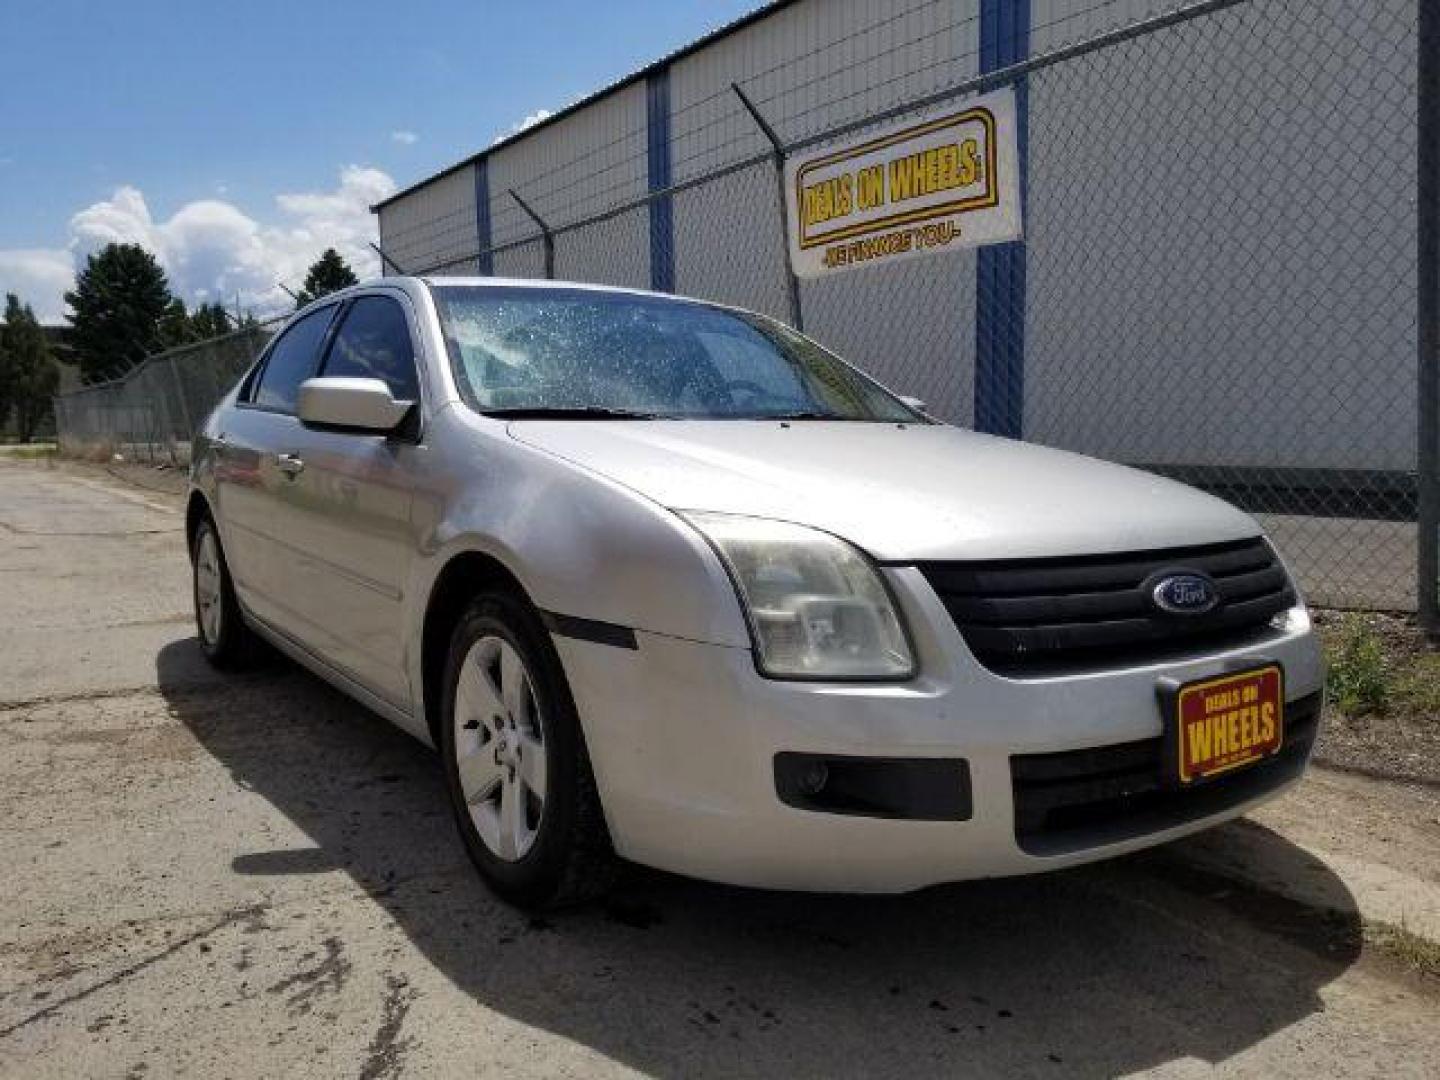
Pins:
<point x="485" y="261"/>
<point x="1000" y="268"/>
<point x="662" y="230"/>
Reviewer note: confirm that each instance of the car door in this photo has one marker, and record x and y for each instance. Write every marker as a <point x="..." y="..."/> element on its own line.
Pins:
<point x="251" y="477"/>
<point x="345" y="506"/>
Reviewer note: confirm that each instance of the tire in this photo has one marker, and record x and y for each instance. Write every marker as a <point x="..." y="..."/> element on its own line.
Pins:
<point x="225" y="639"/>
<point x="515" y="761"/>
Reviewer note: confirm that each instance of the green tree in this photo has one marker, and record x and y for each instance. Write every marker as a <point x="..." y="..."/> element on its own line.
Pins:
<point x="119" y="300"/>
<point x="32" y="374"/>
<point x="175" y="326"/>
<point x="210" y="320"/>
<point x="330" y="273"/>
<point x="7" y="380"/>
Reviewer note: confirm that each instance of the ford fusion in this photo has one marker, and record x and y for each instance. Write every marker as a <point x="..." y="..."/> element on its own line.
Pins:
<point x="668" y="581"/>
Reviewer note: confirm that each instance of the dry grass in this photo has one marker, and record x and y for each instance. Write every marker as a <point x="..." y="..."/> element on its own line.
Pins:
<point x="28" y="451"/>
<point x="1419" y="955"/>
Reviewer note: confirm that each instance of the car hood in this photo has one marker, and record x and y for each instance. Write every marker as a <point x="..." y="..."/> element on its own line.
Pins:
<point x="909" y="492"/>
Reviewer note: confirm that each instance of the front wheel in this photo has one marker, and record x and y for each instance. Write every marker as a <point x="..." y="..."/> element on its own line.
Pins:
<point x="515" y="760"/>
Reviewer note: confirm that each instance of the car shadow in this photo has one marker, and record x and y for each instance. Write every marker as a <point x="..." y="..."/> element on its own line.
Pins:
<point x="1094" y="972"/>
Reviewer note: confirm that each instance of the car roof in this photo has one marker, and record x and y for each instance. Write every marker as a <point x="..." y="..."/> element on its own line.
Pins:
<point x="410" y="283"/>
<point x="548" y="284"/>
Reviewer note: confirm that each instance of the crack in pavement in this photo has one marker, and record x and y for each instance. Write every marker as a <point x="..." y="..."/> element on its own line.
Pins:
<point x="173" y="619"/>
<point x="385" y="1054"/>
<point x="330" y="974"/>
<point x="247" y="912"/>
<point x="106" y="534"/>
<point x="83" y="695"/>
<point x="199" y="688"/>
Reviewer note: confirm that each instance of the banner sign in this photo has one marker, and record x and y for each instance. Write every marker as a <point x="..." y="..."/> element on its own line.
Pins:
<point x="922" y="187"/>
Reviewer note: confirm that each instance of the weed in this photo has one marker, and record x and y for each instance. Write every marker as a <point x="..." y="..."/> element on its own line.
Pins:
<point x="1418" y="686"/>
<point x="1357" y="680"/>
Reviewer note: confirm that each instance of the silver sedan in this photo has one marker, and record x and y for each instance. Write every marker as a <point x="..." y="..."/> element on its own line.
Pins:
<point x="668" y="581"/>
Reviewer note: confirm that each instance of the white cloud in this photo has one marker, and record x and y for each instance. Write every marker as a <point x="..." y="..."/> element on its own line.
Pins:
<point x="520" y="125"/>
<point x="405" y="138"/>
<point x="211" y="249"/>
<point x="40" y="277"/>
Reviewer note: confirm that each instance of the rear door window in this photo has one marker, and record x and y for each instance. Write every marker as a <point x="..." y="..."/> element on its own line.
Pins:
<point x="291" y="361"/>
<point x="373" y="342"/>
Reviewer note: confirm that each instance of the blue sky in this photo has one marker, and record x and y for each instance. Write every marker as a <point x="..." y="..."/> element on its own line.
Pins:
<point x="230" y="136"/>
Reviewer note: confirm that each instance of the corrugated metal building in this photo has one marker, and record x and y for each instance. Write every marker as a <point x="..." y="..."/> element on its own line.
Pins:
<point x="1218" y="266"/>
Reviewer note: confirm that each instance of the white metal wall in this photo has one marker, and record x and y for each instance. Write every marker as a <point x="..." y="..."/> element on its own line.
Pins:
<point x="808" y="68"/>
<point x="1056" y="23"/>
<point x="433" y="224"/>
<point x="583" y="164"/>
<point x="1212" y="236"/>
<point x="1133" y="243"/>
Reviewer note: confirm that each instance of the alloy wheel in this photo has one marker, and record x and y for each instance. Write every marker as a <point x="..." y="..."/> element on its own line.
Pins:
<point x="500" y="748"/>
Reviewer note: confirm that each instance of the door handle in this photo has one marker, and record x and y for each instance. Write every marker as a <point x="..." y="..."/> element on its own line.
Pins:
<point x="290" y="464"/>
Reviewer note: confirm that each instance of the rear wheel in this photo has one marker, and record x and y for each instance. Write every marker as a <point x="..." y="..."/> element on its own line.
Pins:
<point x="515" y="760"/>
<point x="224" y="638"/>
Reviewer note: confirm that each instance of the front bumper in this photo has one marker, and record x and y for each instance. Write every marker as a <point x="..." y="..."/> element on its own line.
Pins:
<point x="683" y="738"/>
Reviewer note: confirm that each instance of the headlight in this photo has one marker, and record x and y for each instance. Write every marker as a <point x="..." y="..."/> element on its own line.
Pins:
<point x="817" y="609"/>
<point x="1294" y="621"/>
<point x="1297" y="619"/>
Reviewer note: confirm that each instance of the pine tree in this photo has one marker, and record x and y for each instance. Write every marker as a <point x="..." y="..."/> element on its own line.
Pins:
<point x="330" y="273"/>
<point x="33" y="376"/>
<point x="175" y="326"/>
<point x="7" y="378"/>
<point x="119" y="300"/>
<point x="209" y="321"/>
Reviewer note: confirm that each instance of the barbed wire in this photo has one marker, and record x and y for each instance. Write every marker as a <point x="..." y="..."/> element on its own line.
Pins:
<point x="1219" y="216"/>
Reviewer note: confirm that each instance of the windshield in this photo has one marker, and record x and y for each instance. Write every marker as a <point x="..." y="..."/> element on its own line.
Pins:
<point x="520" y="351"/>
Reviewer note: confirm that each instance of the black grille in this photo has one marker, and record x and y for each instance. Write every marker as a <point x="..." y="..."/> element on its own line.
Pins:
<point x="1079" y="799"/>
<point x="1042" y="616"/>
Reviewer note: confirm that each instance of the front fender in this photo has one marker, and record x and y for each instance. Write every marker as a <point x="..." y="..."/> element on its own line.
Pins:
<point x="579" y="543"/>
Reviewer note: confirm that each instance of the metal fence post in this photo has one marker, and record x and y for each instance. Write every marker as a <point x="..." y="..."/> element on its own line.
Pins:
<point x="180" y="397"/>
<point x="1123" y="279"/>
<point x="546" y="236"/>
<point x="385" y="260"/>
<point x="797" y="315"/>
<point x="1427" y="282"/>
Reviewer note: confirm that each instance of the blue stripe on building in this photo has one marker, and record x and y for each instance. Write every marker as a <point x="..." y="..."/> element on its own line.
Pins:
<point x="486" y="260"/>
<point x="662" y="227"/>
<point x="1000" y="268"/>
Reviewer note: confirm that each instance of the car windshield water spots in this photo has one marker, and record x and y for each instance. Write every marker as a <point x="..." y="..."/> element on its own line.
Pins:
<point x="551" y="352"/>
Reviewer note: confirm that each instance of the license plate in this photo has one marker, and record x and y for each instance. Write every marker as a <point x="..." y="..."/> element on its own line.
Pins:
<point x="1225" y="723"/>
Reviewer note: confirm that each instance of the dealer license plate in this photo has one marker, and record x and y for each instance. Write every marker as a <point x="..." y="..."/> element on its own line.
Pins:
<point x="1226" y="723"/>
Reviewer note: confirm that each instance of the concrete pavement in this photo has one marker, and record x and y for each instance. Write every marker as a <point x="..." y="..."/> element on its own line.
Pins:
<point x="254" y="877"/>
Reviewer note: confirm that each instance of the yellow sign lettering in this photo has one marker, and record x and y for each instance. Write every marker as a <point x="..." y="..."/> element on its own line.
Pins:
<point x="1199" y="741"/>
<point x="1267" y="721"/>
<point x="936" y="169"/>
<point x="828" y="200"/>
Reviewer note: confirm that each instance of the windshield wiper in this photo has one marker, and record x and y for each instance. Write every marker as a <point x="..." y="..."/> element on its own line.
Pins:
<point x="572" y="412"/>
<point x="803" y="414"/>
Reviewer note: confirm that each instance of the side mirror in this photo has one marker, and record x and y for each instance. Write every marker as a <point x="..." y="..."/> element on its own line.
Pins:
<point x="357" y="404"/>
<point x="914" y="403"/>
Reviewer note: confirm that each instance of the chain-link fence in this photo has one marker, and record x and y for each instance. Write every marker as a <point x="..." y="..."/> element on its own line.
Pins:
<point x="150" y="413"/>
<point x="1219" y="281"/>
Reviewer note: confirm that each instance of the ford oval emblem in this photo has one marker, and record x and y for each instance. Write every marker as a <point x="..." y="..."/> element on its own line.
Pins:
<point x="1185" y="592"/>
